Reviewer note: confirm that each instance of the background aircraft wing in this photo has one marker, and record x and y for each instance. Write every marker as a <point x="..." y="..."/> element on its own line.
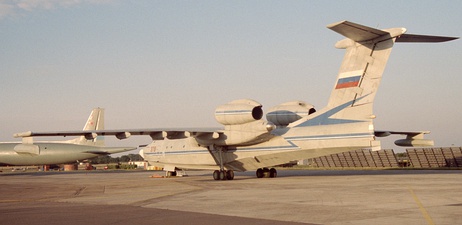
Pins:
<point x="155" y="134"/>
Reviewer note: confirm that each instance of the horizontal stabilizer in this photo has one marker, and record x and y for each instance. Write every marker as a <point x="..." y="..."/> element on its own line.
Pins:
<point x="356" y="32"/>
<point x="360" y="33"/>
<point x="423" y="38"/>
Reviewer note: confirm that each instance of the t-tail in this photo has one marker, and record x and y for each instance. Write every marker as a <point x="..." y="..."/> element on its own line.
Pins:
<point x="359" y="76"/>
<point x="367" y="52"/>
<point x="95" y="122"/>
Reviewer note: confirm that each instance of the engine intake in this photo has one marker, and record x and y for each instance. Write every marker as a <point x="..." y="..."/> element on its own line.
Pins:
<point x="239" y="112"/>
<point x="289" y="112"/>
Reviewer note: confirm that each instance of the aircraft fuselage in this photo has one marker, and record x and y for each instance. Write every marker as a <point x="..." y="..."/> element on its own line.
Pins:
<point x="281" y="148"/>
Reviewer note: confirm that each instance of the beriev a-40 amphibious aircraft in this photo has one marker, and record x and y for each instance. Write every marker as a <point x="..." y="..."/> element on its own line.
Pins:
<point x="292" y="130"/>
<point x="56" y="152"/>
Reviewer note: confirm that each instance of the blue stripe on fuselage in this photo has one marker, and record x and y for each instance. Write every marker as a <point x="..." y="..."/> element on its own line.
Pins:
<point x="289" y="147"/>
<point x="323" y="119"/>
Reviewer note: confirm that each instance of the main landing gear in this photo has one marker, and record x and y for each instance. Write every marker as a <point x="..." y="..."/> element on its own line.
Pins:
<point x="223" y="175"/>
<point x="266" y="173"/>
<point x="229" y="174"/>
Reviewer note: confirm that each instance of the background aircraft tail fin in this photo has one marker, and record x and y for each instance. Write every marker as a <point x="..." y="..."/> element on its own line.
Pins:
<point x="95" y="122"/>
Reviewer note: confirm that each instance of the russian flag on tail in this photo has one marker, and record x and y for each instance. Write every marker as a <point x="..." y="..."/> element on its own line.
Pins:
<point x="349" y="79"/>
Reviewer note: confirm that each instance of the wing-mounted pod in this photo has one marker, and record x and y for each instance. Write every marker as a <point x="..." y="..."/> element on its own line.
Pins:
<point x="413" y="139"/>
<point x="243" y="124"/>
<point x="283" y="114"/>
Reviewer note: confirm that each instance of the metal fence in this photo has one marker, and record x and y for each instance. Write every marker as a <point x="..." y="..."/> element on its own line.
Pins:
<point x="435" y="157"/>
<point x="416" y="157"/>
<point x="358" y="158"/>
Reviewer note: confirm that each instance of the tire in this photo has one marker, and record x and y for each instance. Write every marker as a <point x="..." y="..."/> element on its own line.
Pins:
<point x="230" y="175"/>
<point x="171" y="173"/>
<point x="222" y="175"/>
<point x="216" y="175"/>
<point x="259" y="173"/>
<point x="266" y="173"/>
<point x="273" y="173"/>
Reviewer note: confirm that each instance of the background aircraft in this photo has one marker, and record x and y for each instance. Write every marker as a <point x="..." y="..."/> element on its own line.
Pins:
<point x="293" y="130"/>
<point x="57" y="152"/>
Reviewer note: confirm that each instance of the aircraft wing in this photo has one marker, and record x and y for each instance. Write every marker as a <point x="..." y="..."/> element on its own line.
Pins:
<point x="413" y="138"/>
<point x="155" y="134"/>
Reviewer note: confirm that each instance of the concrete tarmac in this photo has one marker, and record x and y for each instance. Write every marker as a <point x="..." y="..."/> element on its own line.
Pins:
<point x="294" y="197"/>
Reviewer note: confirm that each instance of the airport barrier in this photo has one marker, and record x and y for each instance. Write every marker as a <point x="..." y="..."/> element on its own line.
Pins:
<point x="358" y="158"/>
<point x="415" y="157"/>
<point x="435" y="157"/>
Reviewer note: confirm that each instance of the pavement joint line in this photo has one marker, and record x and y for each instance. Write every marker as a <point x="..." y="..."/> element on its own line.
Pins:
<point x="80" y="190"/>
<point x="150" y="201"/>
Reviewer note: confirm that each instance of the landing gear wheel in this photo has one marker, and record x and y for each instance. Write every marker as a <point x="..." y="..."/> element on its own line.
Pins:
<point x="273" y="173"/>
<point x="259" y="173"/>
<point x="171" y="173"/>
<point x="266" y="172"/>
<point x="223" y="175"/>
<point x="230" y="175"/>
<point x="216" y="175"/>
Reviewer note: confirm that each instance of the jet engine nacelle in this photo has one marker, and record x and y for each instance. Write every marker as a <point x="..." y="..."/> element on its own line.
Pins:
<point x="289" y="112"/>
<point x="239" y="112"/>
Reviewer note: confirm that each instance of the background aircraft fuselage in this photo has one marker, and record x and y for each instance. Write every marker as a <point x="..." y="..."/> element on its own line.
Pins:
<point x="50" y="153"/>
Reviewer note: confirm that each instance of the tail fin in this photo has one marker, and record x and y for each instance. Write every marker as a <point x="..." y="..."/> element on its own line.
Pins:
<point x="367" y="52"/>
<point x="95" y="122"/>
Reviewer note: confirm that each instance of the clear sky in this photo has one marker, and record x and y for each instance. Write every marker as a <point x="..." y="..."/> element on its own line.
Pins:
<point x="157" y="64"/>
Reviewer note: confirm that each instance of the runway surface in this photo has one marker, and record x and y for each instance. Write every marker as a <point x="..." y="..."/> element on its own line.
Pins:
<point x="294" y="197"/>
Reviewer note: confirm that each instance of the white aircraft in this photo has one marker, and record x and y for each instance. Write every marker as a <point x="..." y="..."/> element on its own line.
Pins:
<point x="293" y="130"/>
<point x="57" y="152"/>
